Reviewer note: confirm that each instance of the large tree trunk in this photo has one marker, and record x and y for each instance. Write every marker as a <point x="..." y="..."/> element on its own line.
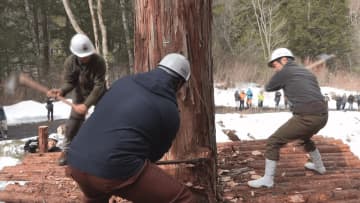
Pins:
<point x="184" y="27"/>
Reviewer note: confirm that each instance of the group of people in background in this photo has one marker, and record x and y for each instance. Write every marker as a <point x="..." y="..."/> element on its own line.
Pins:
<point x="242" y="98"/>
<point x="341" y="101"/>
<point x="246" y="97"/>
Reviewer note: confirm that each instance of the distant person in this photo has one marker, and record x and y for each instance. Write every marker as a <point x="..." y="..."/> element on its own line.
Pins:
<point x="343" y="101"/>
<point x="84" y="73"/>
<point x="351" y="100"/>
<point x="260" y="100"/>
<point x="242" y="100"/>
<point x="310" y="114"/>
<point x="52" y="143"/>
<point x="338" y="100"/>
<point x="237" y="100"/>
<point x="277" y="99"/>
<point x="249" y="96"/>
<point x="50" y="108"/>
<point x="32" y="145"/>
<point x="285" y="101"/>
<point x="3" y="124"/>
<point x="326" y="99"/>
<point x="131" y="128"/>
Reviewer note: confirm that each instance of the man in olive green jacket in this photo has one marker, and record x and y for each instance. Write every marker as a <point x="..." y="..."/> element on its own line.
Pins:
<point x="85" y="74"/>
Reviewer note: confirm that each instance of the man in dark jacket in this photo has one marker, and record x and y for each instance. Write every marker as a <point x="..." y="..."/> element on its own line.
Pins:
<point x="50" y="108"/>
<point x="310" y="114"/>
<point x="3" y="124"/>
<point x="132" y="127"/>
<point x="351" y="100"/>
<point x="84" y="73"/>
<point x="277" y="99"/>
<point x="237" y="100"/>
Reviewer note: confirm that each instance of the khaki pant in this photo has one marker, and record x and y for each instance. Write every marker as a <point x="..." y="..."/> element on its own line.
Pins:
<point x="299" y="127"/>
<point x="150" y="185"/>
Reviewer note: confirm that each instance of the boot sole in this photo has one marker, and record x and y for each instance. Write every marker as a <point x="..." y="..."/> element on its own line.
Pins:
<point x="315" y="171"/>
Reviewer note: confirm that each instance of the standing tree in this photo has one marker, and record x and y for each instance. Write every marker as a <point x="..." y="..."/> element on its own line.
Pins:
<point x="94" y="24"/>
<point x="127" y="36"/>
<point x="184" y="27"/>
<point x="268" y="24"/>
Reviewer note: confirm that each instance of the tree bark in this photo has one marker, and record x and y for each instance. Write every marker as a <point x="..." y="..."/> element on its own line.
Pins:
<point x="36" y="25"/>
<point x="71" y="17"/>
<point x="45" y="39"/>
<point x="127" y="36"/>
<point x="31" y="27"/>
<point x="94" y="24"/>
<point x="184" y="26"/>
<point x="104" y="46"/>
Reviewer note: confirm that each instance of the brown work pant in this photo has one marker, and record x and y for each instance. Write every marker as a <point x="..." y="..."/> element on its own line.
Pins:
<point x="299" y="127"/>
<point x="150" y="185"/>
<point x="72" y="127"/>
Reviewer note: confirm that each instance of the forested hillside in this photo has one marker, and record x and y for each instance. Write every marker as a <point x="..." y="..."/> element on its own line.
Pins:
<point x="35" y="35"/>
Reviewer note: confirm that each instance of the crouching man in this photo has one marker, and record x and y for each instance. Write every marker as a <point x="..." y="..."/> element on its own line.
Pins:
<point x="132" y="127"/>
<point x="310" y="114"/>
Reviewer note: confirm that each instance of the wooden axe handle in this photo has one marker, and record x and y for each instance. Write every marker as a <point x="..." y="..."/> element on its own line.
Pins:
<point x="27" y="81"/>
<point x="316" y="63"/>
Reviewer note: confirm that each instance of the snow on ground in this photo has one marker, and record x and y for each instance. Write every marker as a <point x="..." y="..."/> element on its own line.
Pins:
<point x="342" y="125"/>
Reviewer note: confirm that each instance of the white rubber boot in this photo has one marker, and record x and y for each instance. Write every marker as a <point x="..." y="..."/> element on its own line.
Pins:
<point x="268" y="179"/>
<point x="316" y="164"/>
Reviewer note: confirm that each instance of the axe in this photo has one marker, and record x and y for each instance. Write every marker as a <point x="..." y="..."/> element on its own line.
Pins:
<point x="25" y="80"/>
<point x="322" y="59"/>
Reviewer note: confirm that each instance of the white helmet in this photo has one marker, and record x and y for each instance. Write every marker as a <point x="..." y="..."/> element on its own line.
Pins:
<point x="53" y="136"/>
<point x="278" y="53"/>
<point x="81" y="45"/>
<point x="176" y="63"/>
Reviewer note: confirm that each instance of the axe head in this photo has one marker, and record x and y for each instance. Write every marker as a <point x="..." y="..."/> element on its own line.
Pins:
<point x="325" y="57"/>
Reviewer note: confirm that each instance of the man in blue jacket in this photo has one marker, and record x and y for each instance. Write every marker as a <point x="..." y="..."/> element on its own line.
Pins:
<point x="132" y="127"/>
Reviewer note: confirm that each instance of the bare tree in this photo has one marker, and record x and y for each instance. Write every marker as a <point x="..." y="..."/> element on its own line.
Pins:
<point x="94" y="24"/>
<point x="104" y="45"/>
<point x="71" y="17"/>
<point x="45" y="38"/>
<point x="184" y="27"/>
<point x="264" y="12"/>
<point x="127" y="36"/>
<point x="31" y="27"/>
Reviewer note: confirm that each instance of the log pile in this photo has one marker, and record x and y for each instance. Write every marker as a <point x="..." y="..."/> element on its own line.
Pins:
<point x="242" y="161"/>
